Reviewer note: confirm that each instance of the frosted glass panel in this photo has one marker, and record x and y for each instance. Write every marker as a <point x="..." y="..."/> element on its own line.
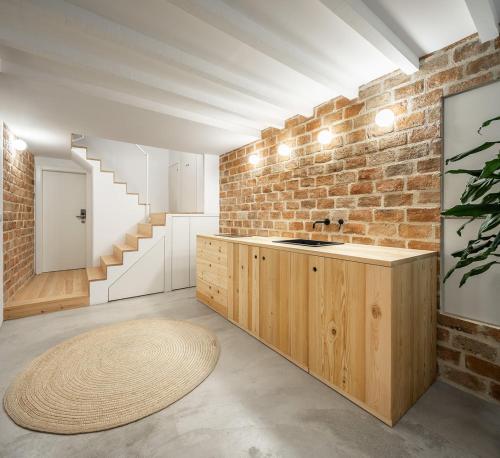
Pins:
<point x="479" y="298"/>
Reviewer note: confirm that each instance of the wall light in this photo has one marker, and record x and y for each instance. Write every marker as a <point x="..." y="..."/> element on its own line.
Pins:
<point x="254" y="159"/>
<point x="283" y="149"/>
<point x="325" y="137"/>
<point x="384" y="118"/>
<point x="18" y="144"/>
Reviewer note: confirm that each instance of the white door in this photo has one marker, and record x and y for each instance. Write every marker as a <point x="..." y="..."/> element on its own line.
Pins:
<point x="63" y="233"/>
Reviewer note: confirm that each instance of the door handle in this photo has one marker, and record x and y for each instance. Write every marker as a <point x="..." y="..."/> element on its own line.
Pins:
<point x="82" y="216"/>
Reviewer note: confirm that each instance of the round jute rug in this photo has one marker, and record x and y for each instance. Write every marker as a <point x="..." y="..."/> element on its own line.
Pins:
<point x="111" y="376"/>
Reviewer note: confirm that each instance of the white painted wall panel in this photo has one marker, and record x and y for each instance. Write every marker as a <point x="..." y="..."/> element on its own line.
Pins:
<point x="463" y="114"/>
<point x="146" y="276"/>
<point x="180" y="252"/>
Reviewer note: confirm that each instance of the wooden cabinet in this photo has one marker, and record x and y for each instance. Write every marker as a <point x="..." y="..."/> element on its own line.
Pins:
<point x="364" y="328"/>
<point x="244" y="309"/>
<point x="212" y="274"/>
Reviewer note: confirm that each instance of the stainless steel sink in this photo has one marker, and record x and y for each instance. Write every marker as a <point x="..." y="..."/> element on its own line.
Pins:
<point x="307" y="242"/>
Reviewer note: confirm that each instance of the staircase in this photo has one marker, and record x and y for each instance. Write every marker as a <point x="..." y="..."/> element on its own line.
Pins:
<point x="136" y="242"/>
<point x="132" y="243"/>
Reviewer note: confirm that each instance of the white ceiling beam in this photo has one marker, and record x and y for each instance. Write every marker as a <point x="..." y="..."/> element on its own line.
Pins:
<point x="91" y="22"/>
<point x="485" y="17"/>
<point x="372" y="28"/>
<point x="109" y="92"/>
<point x="284" y="49"/>
<point x="40" y="38"/>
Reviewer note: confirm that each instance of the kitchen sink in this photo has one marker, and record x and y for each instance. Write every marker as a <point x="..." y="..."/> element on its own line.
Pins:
<point x="307" y="242"/>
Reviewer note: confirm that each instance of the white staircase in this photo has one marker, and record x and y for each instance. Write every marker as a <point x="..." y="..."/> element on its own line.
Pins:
<point x="138" y="260"/>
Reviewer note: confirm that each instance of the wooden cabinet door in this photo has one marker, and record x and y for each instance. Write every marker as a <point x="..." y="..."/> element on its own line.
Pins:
<point x="274" y="320"/>
<point x="245" y="304"/>
<point x="298" y="308"/>
<point x="337" y="323"/>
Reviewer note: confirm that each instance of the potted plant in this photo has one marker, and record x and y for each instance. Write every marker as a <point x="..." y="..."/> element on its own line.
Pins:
<point x="480" y="199"/>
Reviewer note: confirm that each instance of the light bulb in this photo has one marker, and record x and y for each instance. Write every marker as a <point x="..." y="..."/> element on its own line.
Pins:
<point x="325" y="137"/>
<point x="254" y="159"/>
<point x="19" y="144"/>
<point x="283" y="150"/>
<point x="384" y="118"/>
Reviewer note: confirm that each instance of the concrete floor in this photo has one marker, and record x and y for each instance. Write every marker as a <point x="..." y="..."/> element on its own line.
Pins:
<point x="254" y="404"/>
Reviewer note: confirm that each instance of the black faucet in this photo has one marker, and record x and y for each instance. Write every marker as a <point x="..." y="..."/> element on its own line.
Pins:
<point x="325" y="221"/>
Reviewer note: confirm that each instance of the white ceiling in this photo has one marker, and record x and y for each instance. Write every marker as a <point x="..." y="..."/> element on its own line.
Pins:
<point x="201" y="75"/>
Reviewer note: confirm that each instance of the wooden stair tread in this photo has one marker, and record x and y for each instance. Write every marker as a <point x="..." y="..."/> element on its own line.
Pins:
<point x="13" y="304"/>
<point x="95" y="274"/>
<point x="110" y="260"/>
<point x="124" y="247"/>
<point x="158" y="219"/>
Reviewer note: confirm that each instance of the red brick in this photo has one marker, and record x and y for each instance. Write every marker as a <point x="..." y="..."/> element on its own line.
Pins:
<point x="370" y="174"/>
<point x="423" y="214"/>
<point x="446" y="76"/>
<point x="463" y="378"/>
<point x="384" y="229"/>
<point x="448" y="355"/>
<point x="432" y="164"/>
<point x="483" y="63"/>
<point x="392" y="216"/>
<point x="360" y="215"/>
<point x="495" y="391"/>
<point x="443" y="335"/>
<point x="457" y="324"/>
<point x="369" y="201"/>
<point x="409" y="89"/>
<point x="361" y="188"/>
<point x="469" y="49"/>
<point x="415" y="231"/>
<point x="398" y="200"/>
<point x="475" y="347"/>
<point x="482" y="367"/>
<point x="389" y="185"/>
<point x="424" y="133"/>
<point x="353" y="110"/>
<point x="424" y="182"/>
<point x="354" y="228"/>
<point x="403" y="168"/>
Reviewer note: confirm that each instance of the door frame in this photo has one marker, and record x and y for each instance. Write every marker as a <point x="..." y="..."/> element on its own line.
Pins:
<point x="48" y="164"/>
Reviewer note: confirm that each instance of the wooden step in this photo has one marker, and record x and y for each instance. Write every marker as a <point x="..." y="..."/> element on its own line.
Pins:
<point x="145" y="229"/>
<point x="118" y="250"/>
<point x="133" y="240"/>
<point x="96" y="274"/>
<point x="158" y="219"/>
<point x="15" y="310"/>
<point x="109" y="260"/>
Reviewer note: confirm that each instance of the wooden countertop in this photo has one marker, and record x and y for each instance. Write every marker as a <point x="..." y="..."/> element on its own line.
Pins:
<point x="368" y="254"/>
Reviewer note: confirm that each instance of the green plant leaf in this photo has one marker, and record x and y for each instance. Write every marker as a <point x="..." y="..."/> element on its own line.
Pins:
<point x="487" y="123"/>
<point x="490" y="167"/>
<point x="472" y="210"/>
<point x="475" y="173"/>
<point x="489" y="223"/>
<point x="478" y="149"/>
<point x="461" y="228"/>
<point x="477" y="271"/>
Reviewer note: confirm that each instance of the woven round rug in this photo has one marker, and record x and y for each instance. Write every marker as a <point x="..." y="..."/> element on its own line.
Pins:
<point x="111" y="376"/>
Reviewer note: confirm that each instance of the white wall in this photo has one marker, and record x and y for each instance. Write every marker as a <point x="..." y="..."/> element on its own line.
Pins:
<point x="158" y="179"/>
<point x="463" y="114"/>
<point x="60" y="165"/>
<point x="211" y="185"/>
<point x="125" y="159"/>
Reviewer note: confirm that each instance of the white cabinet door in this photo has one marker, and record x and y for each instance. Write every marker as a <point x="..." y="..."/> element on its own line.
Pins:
<point x="189" y="184"/>
<point x="199" y="225"/>
<point x="180" y="252"/>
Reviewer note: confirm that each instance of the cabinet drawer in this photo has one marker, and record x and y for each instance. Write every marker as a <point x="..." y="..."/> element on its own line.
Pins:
<point x="213" y="273"/>
<point x="213" y="246"/>
<point x="210" y="255"/>
<point x="212" y="295"/>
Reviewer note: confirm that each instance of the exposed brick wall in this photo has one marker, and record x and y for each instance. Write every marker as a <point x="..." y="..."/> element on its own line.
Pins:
<point x="19" y="217"/>
<point x="469" y="355"/>
<point x="384" y="182"/>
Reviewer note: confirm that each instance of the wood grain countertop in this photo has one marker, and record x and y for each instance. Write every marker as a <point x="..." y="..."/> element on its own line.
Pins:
<point x="367" y="254"/>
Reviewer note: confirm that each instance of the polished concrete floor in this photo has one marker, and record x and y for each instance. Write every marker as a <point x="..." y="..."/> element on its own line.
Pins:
<point x="254" y="404"/>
